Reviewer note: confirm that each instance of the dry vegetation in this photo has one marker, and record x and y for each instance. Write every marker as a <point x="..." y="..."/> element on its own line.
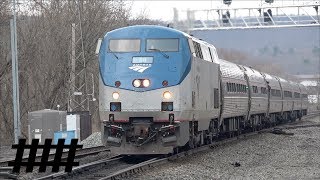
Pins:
<point x="44" y="32"/>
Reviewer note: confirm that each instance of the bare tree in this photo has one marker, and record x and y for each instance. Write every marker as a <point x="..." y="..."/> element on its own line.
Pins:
<point x="44" y="45"/>
<point x="6" y="123"/>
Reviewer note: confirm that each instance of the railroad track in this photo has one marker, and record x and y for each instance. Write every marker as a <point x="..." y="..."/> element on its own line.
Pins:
<point x="296" y="124"/>
<point x="5" y="171"/>
<point x="79" y="154"/>
<point x="99" y="169"/>
<point x="117" y="168"/>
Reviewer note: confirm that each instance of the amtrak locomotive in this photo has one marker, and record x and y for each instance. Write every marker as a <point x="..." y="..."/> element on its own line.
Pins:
<point x="162" y="90"/>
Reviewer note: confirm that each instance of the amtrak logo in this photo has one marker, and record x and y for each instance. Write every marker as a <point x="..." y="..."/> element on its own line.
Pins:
<point x="140" y="67"/>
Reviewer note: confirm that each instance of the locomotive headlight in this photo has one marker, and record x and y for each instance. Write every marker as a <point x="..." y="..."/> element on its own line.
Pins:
<point x="115" y="95"/>
<point x="146" y="83"/>
<point x="167" y="95"/>
<point x="136" y="83"/>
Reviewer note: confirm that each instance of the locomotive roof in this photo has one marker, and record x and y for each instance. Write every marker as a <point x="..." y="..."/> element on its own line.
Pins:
<point x="157" y="30"/>
<point x="141" y="30"/>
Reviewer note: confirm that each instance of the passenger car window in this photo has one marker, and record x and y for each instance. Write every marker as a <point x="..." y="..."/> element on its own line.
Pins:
<point x="197" y="49"/>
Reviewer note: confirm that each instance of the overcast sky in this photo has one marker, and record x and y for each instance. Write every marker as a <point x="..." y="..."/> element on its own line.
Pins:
<point x="163" y="10"/>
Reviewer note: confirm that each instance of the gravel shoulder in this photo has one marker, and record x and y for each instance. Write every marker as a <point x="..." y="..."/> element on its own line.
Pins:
<point x="265" y="156"/>
<point x="6" y="152"/>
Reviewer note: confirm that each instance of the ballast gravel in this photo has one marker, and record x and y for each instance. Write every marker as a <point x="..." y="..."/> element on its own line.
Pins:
<point x="92" y="141"/>
<point x="265" y="156"/>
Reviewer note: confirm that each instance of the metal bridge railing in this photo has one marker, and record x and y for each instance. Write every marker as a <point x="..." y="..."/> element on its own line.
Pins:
<point x="264" y="16"/>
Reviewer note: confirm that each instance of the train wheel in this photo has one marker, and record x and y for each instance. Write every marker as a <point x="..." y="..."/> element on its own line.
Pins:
<point x="239" y="132"/>
<point x="176" y="150"/>
<point x="191" y="143"/>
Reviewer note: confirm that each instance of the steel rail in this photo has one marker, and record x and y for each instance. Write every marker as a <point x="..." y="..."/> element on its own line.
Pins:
<point x="82" y="168"/>
<point x="136" y="168"/>
<point x="124" y="173"/>
<point x="6" y="173"/>
<point x="79" y="153"/>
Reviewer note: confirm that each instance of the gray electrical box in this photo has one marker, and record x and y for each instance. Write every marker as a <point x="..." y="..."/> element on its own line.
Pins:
<point x="43" y="124"/>
<point x="83" y="125"/>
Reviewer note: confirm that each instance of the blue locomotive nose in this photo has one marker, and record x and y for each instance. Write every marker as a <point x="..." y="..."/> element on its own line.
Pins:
<point x="156" y="55"/>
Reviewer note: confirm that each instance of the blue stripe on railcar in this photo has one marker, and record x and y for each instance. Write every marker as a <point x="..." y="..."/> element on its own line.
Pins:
<point x="119" y="66"/>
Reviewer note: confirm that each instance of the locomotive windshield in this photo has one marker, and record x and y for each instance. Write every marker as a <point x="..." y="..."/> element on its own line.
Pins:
<point x="124" y="45"/>
<point x="168" y="45"/>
